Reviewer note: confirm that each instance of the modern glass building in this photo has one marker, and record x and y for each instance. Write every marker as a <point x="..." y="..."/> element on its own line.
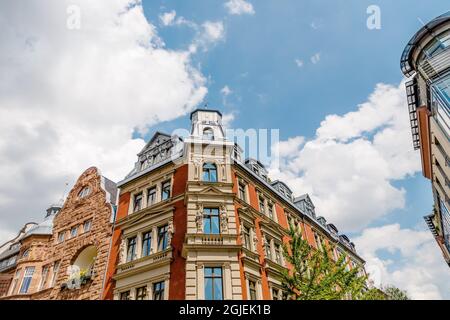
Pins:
<point x="426" y="61"/>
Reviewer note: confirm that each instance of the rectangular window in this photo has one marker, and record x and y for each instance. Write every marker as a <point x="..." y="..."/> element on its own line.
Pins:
<point x="211" y="223"/>
<point x="278" y="257"/>
<point x="56" y="265"/>
<point x="165" y="191"/>
<point x="16" y="280"/>
<point x="87" y="225"/>
<point x="151" y="196"/>
<point x="43" y="277"/>
<point x="252" y="290"/>
<point x="268" y="250"/>
<point x="141" y="293"/>
<point x="163" y="238"/>
<point x="213" y="283"/>
<point x="147" y="244"/>
<point x="247" y="240"/>
<point x="74" y="232"/>
<point x="275" y="294"/>
<point x="158" y="291"/>
<point x="131" y="249"/>
<point x="242" y="192"/>
<point x="61" y="236"/>
<point x="270" y="210"/>
<point x="137" y="204"/>
<point x="125" y="295"/>
<point x="262" y="207"/>
<point x="27" y="277"/>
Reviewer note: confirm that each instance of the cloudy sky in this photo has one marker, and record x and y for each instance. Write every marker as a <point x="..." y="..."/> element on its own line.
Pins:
<point x="86" y="83"/>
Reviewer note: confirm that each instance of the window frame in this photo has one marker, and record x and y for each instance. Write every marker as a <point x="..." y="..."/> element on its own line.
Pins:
<point x="138" y="205"/>
<point x="162" y="237"/>
<point x="166" y="187"/>
<point x="27" y="279"/>
<point x="208" y="169"/>
<point x="131" y="244"/>
<point x="213" y="277"/>
<point x="211" y="214"/>
<point x="158" y="290"/>
<point x="147" y="238"/>
<point x="151" y="191"/>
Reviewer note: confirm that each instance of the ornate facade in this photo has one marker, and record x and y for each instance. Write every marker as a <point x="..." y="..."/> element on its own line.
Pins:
<point x="65" y="256"/>
<point x="426" y="59"/>
<point x="197" y="222"/>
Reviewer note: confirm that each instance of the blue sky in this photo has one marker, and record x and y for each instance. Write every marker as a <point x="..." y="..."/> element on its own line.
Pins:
<point x="344" y="139"/>
<point x="256" y="60"/>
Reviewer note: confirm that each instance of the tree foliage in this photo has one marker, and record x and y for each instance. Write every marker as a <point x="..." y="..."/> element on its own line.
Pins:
<point x="315" y="275"/>
<point x="394" y="293"/>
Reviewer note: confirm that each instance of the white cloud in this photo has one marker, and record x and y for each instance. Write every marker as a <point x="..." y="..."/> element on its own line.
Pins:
<point x="167" y="18"/>
<point x="208" y="34"/>
<point x="350" y="166"/>
<point x="72" y="98"/>
<point x="239" y="7"/>
<point x="315" y="58"/>
<point x="226" y="91"/>
<point x="299" y="63"/>
<point x="227" y="119"/>
<point x="420" y="268"/>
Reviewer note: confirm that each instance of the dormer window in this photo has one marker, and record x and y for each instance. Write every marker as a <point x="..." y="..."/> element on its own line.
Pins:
<point x="208" y="134"/>
<point x="84" y="192"/>
<point x="209" y="172"/>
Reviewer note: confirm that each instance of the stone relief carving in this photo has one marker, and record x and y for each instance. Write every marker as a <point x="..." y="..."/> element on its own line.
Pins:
<point x="199" y="218"/>
<point x="223" y="218"/>
<point x="122" y="251"/>
<point x="170" y="232"/>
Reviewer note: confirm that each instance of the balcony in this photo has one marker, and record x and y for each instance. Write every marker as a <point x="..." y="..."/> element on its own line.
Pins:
<point x="201" y="241"/>
<point x="145" y="263"/>
<point x="430" y="68"/>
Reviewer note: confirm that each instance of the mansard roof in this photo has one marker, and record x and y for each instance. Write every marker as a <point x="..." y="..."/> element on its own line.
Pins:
<point x="151" y="143"/>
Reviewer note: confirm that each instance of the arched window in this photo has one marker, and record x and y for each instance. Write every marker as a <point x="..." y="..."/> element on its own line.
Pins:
<point x="208" y="134"/>
<point x="209" y="172"/>
<point x="84" y="192"/>
<point x="83" y="265"/>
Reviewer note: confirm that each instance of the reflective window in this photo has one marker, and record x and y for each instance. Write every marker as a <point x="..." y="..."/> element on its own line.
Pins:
<point x="151" y="196"/>
<point x="211" y="223"/>
<point x="440" y="43"/>
<point x="158" y="291"/>
<point x="125" y="295"/>
<point x="141" y="293"/>
<point x="163" y="240"/>
<point x="209" y="172"/>
<point x="147" y="244"/>
<point x="131" y="249"/>
<point x="213" y="283"/>
<point x="27" y="277"/>
<point x="208" y="134"/>
<point x="165" y="191"/>
<point x="252" y="290"/>
<point x="137" y="205"/>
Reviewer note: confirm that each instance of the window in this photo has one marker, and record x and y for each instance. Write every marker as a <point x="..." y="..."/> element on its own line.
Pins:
<point x="141" y="293"/>
<point x="268" y="249"/>
<point x="209" y="172"/>
<point x="278" y="258"/>
<point x="147" y="244"/>
<point x="275" y="294"/>
<point x="16" y="280"/>
<point x="137" y="204"/>
<point x="84" y="192"/>
<point x="262" y="207"/>
<point x="211" y="224"/>
<point x="208" y="134"/>
<point x="318" y="241"/>
<point x="246" y="232"/>
<point x="131" y="249"/>
<point x="56" y="265"/>
<point x="252" y="290"/>
<point x="158" y="291"/>
<point x="242" y="192"/>
<point x="43" y="277"/>
<point x="125" y="295"/>
<point x="163" y="240"/>
<point x="87" y="225"/>
<point x="61" y="236"/>
<point x="213" y="283"/>
<point x="270" y="210"/>
<point x="151" y="196"/>
<point x="26" y="253"/>
<point x="74" y="232"/>
<point x="27" y="277"/>
<point x="165" y="191"/>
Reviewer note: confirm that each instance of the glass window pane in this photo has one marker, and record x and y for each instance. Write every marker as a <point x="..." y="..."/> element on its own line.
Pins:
<point x="208" y="289"/>
<point x="215" y="225"/>
<point x="218" y="289"/>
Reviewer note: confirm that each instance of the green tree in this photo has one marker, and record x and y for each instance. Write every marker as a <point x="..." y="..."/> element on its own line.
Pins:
<point x="394" y="293"/>
<point x="314" y="275"/>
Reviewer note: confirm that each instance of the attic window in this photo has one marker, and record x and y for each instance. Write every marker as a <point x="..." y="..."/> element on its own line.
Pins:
<point x="84" y="192"/>
<point x="208" y="134"/>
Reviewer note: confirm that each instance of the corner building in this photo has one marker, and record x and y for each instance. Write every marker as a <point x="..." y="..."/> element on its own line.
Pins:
<point x="426" y="59"/>
<point x="197" y="222"/>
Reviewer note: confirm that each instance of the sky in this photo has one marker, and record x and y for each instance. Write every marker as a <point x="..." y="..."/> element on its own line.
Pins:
<point x="86" y="83"/>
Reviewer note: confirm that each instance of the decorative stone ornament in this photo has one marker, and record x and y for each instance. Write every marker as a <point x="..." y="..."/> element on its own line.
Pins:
<point x="223" y="218"/>
<point x="199" y="218"/>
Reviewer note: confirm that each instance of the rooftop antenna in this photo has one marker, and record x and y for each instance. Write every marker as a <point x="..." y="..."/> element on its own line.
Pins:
<point x="61" y="201"/>
<point x="421" y="21"/>
<point x="206" y="105"/>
